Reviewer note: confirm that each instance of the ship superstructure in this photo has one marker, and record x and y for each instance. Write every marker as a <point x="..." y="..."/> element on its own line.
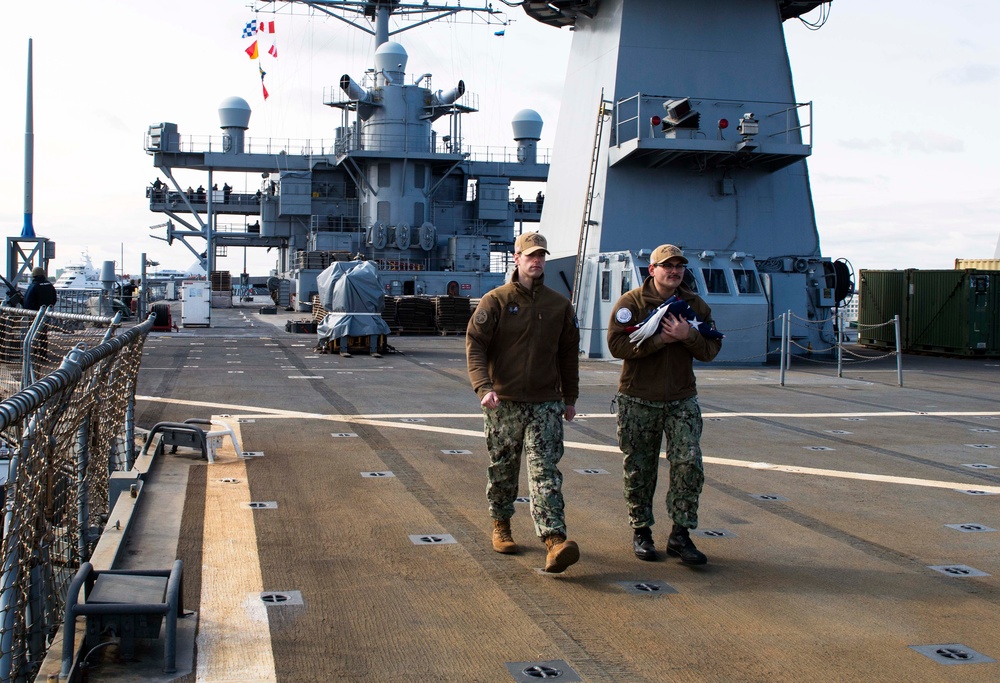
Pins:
<point x="397" y="185"/>
<point x="694" y="137"/>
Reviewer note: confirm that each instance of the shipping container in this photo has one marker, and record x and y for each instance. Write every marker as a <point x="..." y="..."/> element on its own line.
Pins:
<point x="952" y="312"/>
<point x="977" y="263"/>
<point x="882" y="296"/>
<point x="945" y="312"/>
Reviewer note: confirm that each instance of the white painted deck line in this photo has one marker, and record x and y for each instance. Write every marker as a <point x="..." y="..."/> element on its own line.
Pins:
<point x="234" y="638"/>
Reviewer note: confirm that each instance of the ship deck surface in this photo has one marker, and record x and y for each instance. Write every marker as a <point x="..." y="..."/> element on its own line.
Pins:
<point x="826" y="507"/>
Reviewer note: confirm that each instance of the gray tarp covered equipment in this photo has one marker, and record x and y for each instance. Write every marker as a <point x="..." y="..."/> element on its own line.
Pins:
<point x="354" y="295"/>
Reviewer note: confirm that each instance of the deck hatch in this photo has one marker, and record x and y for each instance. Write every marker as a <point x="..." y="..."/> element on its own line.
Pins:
<point x="647" y="587"/>
<point x="274" y="598"/>
<point x="970" y="527"/>
<point x="953" y="653"/>
<point x="551" y="670"/>
<point x="960" y="571"/>
<point x="713" y="533"/>
<point x="432" y="539"/>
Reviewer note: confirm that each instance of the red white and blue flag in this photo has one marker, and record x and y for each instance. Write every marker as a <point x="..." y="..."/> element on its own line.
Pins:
<point x="674" y="306"/>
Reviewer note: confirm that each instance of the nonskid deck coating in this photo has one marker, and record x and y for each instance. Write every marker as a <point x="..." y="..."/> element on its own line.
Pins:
<point x="829" y="498"/>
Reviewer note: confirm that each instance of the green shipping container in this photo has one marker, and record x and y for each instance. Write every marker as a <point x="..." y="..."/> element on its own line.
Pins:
<point x="882" y="296"/>
<point x="953" y="312"/>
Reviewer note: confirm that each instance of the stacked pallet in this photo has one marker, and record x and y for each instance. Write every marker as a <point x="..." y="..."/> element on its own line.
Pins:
<point x="415" y="315"/>
<point x="221" y="281"/>
<point x="451" y="314"/>
<point x="319" y="260"/>
<point x="318" y="312"/>
<point x="389" y="314"/>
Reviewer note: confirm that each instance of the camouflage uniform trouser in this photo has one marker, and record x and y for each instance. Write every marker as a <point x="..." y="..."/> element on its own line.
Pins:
<point x="641" y="426"/>
<point x="537" y="429"/>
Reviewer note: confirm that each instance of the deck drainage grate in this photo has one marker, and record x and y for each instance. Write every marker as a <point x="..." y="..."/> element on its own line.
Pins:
<point x="960" y="571"/>
<point x="591" y="471"/>
<point x="838" y="431"/>
<point x="983" y="430"/>
<point x="980" y="445"/>
<point x="819" y="448"/>
<point x="262" y="505"/>
<point x="713" y="533"/>
<point x="952" y="653"/>
<point x="274" y="598"/>
<point x="412" y="419"/>
<point x="522" y="499"/>
<point x="343" y="435"/>
<point x="980" y="466"/>
<point x="253" y="454"/>
<point x="552" y="670"/>
<point x="229" y="480"/>
<point x="969" y="527"/>
<point x="376" y="475"/>
<point x="767" y="496"/>
<point x="456" y="451"/>
<point x="647" y="587"/>
<point x="432" y="539"/>
<point x="245" y="421"/>
<point x="854" y="419"/>
<point x="976" y="492"/>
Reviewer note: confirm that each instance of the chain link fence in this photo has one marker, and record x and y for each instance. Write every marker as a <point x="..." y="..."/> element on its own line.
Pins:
<point x="61" y="436"/>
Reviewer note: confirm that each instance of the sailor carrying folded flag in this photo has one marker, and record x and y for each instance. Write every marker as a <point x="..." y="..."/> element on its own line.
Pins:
<point x="658" y="396"/>
<point x="672" y="306"/>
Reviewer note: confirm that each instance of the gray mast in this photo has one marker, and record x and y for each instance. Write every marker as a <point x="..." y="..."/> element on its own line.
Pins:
<point x="26" y="251"/>
<point x="29" y="156"/>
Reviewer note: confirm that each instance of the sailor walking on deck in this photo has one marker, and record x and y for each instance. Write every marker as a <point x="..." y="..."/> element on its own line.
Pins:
<point x="522" y="346"/>
<point x="657" y="395"/>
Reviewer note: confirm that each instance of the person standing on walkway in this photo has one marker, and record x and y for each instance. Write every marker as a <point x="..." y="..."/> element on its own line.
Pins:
<point x="522" y="347"/>
<point x="40" y="291"/>
<point x="657" y="395"/>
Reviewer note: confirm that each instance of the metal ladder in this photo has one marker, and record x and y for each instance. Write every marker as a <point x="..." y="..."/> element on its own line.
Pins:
<point x="603" y="111"/>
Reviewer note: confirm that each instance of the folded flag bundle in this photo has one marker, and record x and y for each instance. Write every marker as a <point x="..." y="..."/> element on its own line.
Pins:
<point x="674" y="306"/>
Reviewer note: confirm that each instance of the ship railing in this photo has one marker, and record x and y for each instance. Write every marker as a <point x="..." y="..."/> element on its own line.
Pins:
<point x="60" y="437"/>
<point x="410" y="144"/>
<point x="641" y="116"/>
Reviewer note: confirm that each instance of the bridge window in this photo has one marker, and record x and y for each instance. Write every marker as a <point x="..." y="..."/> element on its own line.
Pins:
<point x="690" y="281"/>
<point x="605" y="285"/>
<point x="746" y="281"/>
<point x="715" y="280"/>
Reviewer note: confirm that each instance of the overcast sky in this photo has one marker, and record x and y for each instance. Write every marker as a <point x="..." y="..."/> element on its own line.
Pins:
<point x="905" y="168"/>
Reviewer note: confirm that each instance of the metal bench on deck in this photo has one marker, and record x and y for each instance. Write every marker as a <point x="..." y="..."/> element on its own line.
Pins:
<point x="127" y="604"/>
<point x="190" y="435"/>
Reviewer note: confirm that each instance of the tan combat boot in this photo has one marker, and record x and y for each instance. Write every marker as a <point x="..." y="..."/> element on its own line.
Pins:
<point x="562" y="553"/>
<point x="503" y="542"/>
